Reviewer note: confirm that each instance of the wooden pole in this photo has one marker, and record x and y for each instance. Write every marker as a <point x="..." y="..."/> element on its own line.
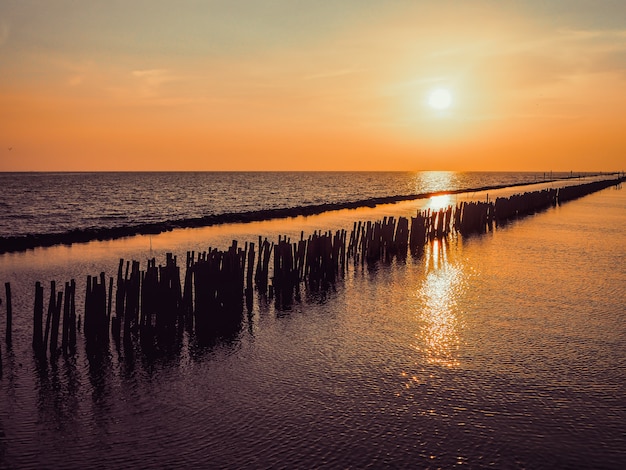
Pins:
<point x="54" y="332"/>
<point x="7" y="287"/>
<point x="66" y="320"/>
<point x="51" y="307"/>
<point x="38" y="318"/>
<point x="72" y="326"/>
<point x="110" y="300"/>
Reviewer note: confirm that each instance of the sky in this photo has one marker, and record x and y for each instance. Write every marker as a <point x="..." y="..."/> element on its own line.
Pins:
<point x="242" y="85"/>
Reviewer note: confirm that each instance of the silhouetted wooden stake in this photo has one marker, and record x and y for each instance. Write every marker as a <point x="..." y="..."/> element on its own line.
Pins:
<point x="261" y="278"/>
<point x="9" y="327"/>
<point x="66" y="319"/>
<point x="250" y="266"/>
<point x="188" y="292"/>
<point x="120" y="296"/>
<point x="54" y="332"/>
<point x="402" y="236"/>
<point x="51" y="308"/>
<point x="88" y="307"/>
<point x="110" y="304"/>
<point x="216" y="285"/>
<point x="96" y="320"/>
<point x="131" y="297"/>
<point x="72" y="326"/>
<point x="38" y="318"/>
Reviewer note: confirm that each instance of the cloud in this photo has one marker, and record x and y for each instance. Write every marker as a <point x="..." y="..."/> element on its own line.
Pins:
<point x="599" y="51"/>
<point x="151" y="80"/>
<point x="150" y="72"/>
<point x="76" y="80"/>
<point x="330" y="74"/>
<point x="4" y="32"/>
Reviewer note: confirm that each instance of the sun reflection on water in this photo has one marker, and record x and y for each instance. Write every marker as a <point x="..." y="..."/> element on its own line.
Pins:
<point x="440" y="202"/>
<point x="433" y="181"/>
<point x="438" y="337"/>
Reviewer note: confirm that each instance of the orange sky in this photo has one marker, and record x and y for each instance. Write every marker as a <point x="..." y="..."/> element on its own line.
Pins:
<point x="285" y="85"/>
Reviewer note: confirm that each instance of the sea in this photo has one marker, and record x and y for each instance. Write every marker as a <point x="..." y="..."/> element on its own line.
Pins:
<point x="504" y="349"/>
<point x="43" y="203"/>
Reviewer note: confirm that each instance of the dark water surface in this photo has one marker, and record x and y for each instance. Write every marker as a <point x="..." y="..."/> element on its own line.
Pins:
<point x="43" y="203"/>
<point x="502" y="350"/>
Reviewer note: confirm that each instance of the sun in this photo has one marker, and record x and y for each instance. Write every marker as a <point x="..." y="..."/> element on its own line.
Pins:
<point x="440" y="99"/>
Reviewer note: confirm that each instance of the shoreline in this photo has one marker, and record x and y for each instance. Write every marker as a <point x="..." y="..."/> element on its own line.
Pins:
<point x="21" y="243"/>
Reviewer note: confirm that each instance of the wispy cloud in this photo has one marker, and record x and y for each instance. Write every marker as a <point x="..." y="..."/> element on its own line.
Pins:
<point x="4" y="32"/>
<point x="75" y="80"/>
<point x="152" y="75"/>
<point x="151" y="80"/>
<point x="331" y="74"/>
<point x="599" y="51"/>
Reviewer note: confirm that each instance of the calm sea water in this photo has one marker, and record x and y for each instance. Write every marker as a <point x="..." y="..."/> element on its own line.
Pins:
<point x="504" y="350"/>
<point x="39" y="203"/>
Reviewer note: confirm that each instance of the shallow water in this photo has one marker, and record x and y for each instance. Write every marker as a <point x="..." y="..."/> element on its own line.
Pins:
<point x="504" y="349"/>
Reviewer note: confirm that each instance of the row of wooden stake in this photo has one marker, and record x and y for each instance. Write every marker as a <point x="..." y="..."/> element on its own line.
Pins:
<point x="210" y="300"/>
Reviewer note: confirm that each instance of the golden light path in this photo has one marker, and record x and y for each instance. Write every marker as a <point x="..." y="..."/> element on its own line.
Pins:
<point x="441" y="202"/>
<point x="438" y="337"/>
<point x="438" y="291"/>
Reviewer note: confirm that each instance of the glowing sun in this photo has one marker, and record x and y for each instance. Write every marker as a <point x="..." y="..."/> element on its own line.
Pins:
<point x="440" y="99"/>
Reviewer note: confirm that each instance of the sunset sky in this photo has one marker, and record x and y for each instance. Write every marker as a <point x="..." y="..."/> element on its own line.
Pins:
<point x="312" y="85"/>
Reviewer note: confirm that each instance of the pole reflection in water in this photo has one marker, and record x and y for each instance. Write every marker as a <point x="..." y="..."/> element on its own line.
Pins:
<point x="437" y="313"/>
